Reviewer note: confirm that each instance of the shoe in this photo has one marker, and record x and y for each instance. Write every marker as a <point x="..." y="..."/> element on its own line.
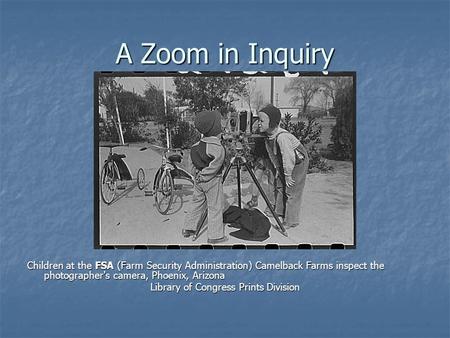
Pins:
<point x="253" y="203"/>
<point x="289" y="225"/>
<point x="269" y="214"/>
<point x="188" y="233"/>
<point x="218" y="240"/>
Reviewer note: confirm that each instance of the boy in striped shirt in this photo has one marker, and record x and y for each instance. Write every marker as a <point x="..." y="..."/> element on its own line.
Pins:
<point x="290" y="158"/>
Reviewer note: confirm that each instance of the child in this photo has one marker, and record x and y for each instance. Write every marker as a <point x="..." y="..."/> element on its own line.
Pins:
<point x="291" y="161"/>
<point x="207" y="157"/>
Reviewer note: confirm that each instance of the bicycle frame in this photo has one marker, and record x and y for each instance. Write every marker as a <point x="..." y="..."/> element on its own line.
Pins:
<point x="109" y="176"/>
<point x="115" y="169"/>
<point x="163" y="183"/>
<point x="176" y="171"/>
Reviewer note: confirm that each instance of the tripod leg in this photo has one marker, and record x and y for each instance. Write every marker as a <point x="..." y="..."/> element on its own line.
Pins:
<point x="201" y="223"/>
<point x="227" y="170"/>
<point x="238" y="176"/>
<point x="266" y="199"/>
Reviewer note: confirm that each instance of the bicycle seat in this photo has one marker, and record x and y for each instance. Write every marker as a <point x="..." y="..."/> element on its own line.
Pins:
<point x="119" y="155"/>
<point x="175" y="158"/>
<point x="112" y="145"/>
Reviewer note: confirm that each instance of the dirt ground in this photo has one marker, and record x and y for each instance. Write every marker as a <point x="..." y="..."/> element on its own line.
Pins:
<point x="132" y="218"/>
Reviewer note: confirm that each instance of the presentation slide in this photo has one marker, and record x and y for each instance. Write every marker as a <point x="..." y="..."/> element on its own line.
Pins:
<point x="225" y="168"/>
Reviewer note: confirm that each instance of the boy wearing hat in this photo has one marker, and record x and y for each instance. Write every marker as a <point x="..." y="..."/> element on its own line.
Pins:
<point x="291" y="161"/>
<point x="207" y="157"/>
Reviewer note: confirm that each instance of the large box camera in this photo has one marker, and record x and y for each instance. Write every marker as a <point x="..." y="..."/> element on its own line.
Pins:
<point x="240" y="123"/>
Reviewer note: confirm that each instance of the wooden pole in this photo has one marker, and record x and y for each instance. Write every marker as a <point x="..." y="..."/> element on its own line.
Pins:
<point x="118" y="120"/>
<point x="165" y="113"/>
<point x="271" y="89"/>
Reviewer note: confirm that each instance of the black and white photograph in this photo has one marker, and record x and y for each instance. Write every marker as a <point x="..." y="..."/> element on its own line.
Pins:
<point x="229" y="159"/>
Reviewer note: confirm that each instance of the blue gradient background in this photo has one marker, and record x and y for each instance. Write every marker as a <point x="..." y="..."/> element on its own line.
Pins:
<point x="400" y="51"/>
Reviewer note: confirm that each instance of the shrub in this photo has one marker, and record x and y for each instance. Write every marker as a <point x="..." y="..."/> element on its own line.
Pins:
<point x="316" y="162"/>
<point x="309" y="135"/>
<point x="184" y="135"/>
<point x="137" y="132"/>
<point x="132" y="134"/>
<point x="108" y="132"/>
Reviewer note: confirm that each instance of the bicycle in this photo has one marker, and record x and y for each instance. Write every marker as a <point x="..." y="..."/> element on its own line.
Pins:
<point x="170" y="169"/>
<point x="111" y="174"/>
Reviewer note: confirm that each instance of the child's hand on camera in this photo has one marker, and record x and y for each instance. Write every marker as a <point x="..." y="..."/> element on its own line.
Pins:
<point x="289" y="181"/>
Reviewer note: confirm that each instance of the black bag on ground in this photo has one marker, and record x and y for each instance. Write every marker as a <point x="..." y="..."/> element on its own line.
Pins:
<point x="253" y="225"/>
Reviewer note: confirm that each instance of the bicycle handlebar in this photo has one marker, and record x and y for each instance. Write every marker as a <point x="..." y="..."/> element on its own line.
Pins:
<point x="161" y="148"/>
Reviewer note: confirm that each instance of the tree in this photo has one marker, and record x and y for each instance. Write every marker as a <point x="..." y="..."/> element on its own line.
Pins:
<point x="132" y="107"/>
<point x="248" y="92"/>
<point x="108" y="87"/>
<point x="155" y="102"/>
<point x="210" y="93"/>
<point x="342" y="133"/>
<point x="133" y="110"/>
<point x="331" y="86"/>
<point x="303" y="90"/>
<point x="253" y="97"/>
<point x="165" y="115"/>
<point x="258" y="100"/>
<point x="323" y="99"/>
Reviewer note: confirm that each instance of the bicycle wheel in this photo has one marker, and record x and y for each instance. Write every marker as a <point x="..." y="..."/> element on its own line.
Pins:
<point x="141" y="179"/>
<point x="164" y="192"/>
<point x="109" y="178"/>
